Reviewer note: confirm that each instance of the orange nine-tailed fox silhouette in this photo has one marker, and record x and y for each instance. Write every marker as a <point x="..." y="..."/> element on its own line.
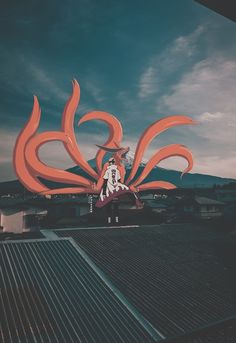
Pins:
<point x="29" y="167"/>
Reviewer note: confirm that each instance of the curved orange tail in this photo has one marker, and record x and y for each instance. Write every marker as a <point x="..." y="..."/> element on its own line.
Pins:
<point x="29" y="167"/>
<point x="155" y="185"/>
<point x="25" y="175"/>
<point x="162" y="154"/>
<point x="149" y="134"/>
<point x="115" y="132"/>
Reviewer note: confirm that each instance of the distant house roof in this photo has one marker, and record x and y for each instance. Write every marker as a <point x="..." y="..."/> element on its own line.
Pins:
<point x="207" y="201"/>
<point x="147" y="196"/>
<point x="197" y="200"/>
<point x="155" y="204"/>
<point x="65" y="201"/>
<point x="225" y="190"/>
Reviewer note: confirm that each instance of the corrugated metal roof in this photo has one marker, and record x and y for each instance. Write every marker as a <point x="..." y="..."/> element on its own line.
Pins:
<point x="170" y="273"/>
<point x="49" y="293"/>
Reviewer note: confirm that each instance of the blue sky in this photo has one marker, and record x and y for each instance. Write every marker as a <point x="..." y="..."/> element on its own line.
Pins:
<point x="138" y="60"/>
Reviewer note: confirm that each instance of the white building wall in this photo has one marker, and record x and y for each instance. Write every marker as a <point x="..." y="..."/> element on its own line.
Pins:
<point x="209" y="212"/>
<point x="12" y="222"/>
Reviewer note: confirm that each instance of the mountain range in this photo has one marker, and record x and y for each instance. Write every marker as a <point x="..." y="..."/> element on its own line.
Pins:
<point x="189" y="180"/>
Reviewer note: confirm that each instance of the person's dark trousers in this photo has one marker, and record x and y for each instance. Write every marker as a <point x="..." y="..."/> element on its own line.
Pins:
<point x="115" y="212"/>
<point x="109" y="212"/>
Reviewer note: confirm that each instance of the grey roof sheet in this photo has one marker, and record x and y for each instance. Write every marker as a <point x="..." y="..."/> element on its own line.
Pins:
<point x="51" y="294"/>
<point x="171" y="273"/>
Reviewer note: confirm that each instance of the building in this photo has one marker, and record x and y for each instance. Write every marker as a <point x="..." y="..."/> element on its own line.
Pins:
<point x="67" y="210"/>
<point x="157" y="207"/>
<point x="201" y="207"/>
<point x="33" y="218"/>
<point x="225" y="195"/>
<point x="12" y="220"/>
<point x="17" y="220"/>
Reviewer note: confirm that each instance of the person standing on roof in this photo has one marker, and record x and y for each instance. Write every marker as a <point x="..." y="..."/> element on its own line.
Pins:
<point x="112" y="183"/>
<point x="112" y="180"/>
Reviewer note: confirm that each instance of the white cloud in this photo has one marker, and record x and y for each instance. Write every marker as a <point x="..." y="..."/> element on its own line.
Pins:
<point x="168" y="61"/>
<point x="207" y="93"/>
<point x="207" y="116"/>
<point x="148" y="83"/>
<point x="208" y="87"/>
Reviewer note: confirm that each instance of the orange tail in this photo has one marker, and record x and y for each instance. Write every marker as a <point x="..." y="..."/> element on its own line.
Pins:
<point x="162" y="154"/>
<point x="115" y="132"/>
<point x="149" y="134"/>
<point x="22" y="170"/>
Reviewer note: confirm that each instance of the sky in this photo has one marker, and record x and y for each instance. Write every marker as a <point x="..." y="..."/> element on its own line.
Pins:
<point x="138" y="60"/>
